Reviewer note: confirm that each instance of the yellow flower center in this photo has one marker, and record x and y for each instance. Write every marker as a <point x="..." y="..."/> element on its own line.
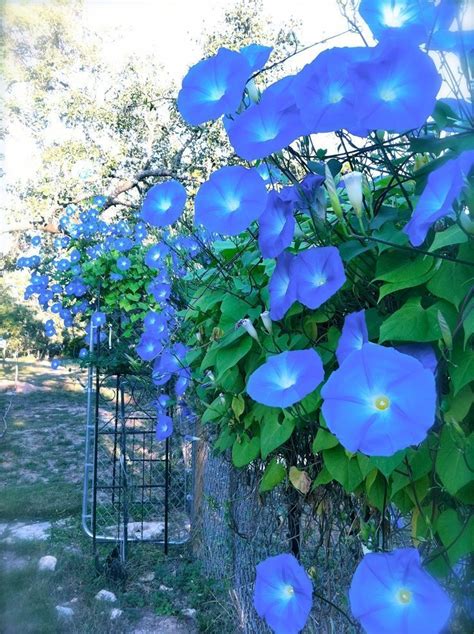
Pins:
<point x="382" y="403"/>
<point x="404" y="596"/>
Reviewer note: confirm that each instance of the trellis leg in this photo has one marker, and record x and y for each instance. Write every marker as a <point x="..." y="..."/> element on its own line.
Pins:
<point x="167" y="477"/>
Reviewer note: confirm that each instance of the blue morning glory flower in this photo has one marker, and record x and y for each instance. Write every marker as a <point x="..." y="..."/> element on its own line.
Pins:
<point x="55" y="363"/>
<point x="391" y="593"/>
<point x="282" y="288"/>
<point x="286" y="378"/>
<point x="442" y="188"/>
<point x="379" y="401"/>
<point x="397" y="87"/>
<point x="155" y="323"/>
<point x="213" y="87"/>
<point x="149" y="347"/>
<point x="412" y="18"/>
<point x="155" y="255"/>
<point x="325" y="90"/>
<point x="354" y="335"/>
<point x="36" y="240"/>
<point x="268" y="126"/>
<point x="458" y="42"/>
<point x="164" y="427"/>
<point x="256" y="55"/>
<point x="122" y="244"/>
<point x="318" y="274"/>
<point x="283" y="594"/>
<point x="98" y="318"/>
<point x="230" y="200"/>
<point x="116" y="277"/>
<point x="83" y="353"/>
<point x="424" y="352"/>
<point x="124" y="263"/>
<point x="163" y="203"/>
<point x="159" y="289"/>
<point x="276" y="226"/>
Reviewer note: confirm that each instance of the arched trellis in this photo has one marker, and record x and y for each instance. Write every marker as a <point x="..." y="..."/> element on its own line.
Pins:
<point x="136" y="488"/>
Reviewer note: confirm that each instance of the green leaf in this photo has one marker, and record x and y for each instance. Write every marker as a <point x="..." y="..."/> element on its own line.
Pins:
<point x="274" y="473"/>
<point x="456" y="535"/>
<point x="455" y="454"/>
<point x="468" y="321"/>
<point x="461" y="370"/>
<point x="342" y="468"/>
<point x="352" y="248"/>
<point x="459" y="405"/>
<point x="323" y="477"/>
<point x="435" y="145"/>
<point x="411" y="322"/>
<point x="448" y="237"/>
<point x="230" y="355"/>
<point x="238" y="405"/>
<point x="244" y="450"/>
<point x="273" y="434"/>
<point x="388" y="464"/>
<point x="390" y="233"/>
<point x="451" y="282"/>
<point x="324" y="440"/>
<point x="400" y="273"/>
<point x="377" y="491"/>
<point x="217" y="409"/>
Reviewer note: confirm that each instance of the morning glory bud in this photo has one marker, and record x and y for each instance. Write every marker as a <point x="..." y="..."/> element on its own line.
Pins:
<point x="267" y="322"/>
<point x="353" y="185"/>
<point x="331" y="189"/>
<point x="248" y="326"/>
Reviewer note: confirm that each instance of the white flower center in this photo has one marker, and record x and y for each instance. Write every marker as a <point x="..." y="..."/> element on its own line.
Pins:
<point x="232" y="204"/>
<point x="216" y="93"/>
<point x="288" y="591"/>
<point x="404" y="596"/>
<point x="393" y="16"/>
<point x="388" y="94"/>
<point x="382" y="402"/>
<point x="286" y="380"/>
<point x="319" y="280"/>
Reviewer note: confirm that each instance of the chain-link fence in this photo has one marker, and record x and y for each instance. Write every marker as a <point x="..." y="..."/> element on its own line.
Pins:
<point x="236" y="528"/>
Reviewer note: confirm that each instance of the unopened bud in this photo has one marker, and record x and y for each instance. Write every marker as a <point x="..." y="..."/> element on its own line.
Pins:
<point x="332" y="192"/>
<point x="248" y="326"/>
<point x="267" y="322"/>
<point x="353" y="184"/>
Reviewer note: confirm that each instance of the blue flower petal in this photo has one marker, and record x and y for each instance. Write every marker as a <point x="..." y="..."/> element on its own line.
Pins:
<point x="268" y="126"/>
<point x="354" y="335"/>
<point x="396" y="88"/>
<point x="213" y="87"/>
<point x="442" y="188"/>
<point x="318" y="274"/>
<point x="282" y="288"/>
<point x="230" y="200"/>
<point x="256" y="55"/>
<point x="164" y="427"/>
<point x="379" y="401"/>
<point x="412" y="18"/>
<point x="283" y="594"/>
<point x="163" y="204"/>
<point x="390" y="593"/>
<point x="286" y="378"/>
<point x="276" y="226"/>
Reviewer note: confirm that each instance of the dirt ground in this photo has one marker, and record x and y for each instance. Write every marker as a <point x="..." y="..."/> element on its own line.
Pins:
<point x="42" y="421"/>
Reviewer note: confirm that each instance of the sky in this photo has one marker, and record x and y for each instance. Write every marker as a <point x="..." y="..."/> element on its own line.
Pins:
<point x="171" y="30"/>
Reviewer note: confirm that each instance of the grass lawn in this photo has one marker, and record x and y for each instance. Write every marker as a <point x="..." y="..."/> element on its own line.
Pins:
<point x="41" y="469"/>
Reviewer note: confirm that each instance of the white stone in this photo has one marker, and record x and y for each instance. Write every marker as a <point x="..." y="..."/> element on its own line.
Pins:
<point x="106" y="595"/>
<point x="18" y="531"/>
<point x="165" y="588"/>
<point x="115" y="613"/>
<point x="191" y="612"/>
<point x="48" y="562"/>
<point x="150" y="576"/>
<point x="64" y="612"/>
